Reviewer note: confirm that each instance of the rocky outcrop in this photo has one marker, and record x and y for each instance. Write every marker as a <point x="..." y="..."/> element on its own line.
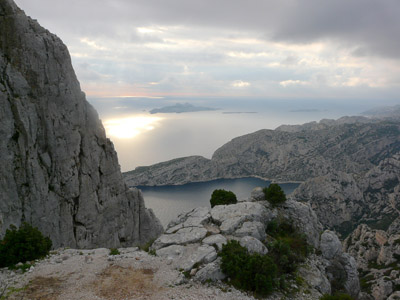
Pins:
<point x="377" y="253"/>
<point x="342" y="201"/>
<point x="286" y="154"/>
<point x="58" y="171"/>
<point x="192" y="241"/>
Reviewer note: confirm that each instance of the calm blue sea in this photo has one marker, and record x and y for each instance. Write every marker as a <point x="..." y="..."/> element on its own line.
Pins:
<point x="169" y="201"/>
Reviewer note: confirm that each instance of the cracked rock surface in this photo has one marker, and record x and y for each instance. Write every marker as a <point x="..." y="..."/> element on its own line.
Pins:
<point x="58" y="171"/>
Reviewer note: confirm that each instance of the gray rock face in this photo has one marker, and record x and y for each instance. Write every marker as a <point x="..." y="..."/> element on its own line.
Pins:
<point x="305" y="219"/>
<point x="330" y="245"/>
<point x="281" y="155"/>
<point x="342" y="201"/>
<point x="58" y="171"/>
<point x="257" y="194"/>
<point x="377" y="253"/>
<point x="315" y="275"/>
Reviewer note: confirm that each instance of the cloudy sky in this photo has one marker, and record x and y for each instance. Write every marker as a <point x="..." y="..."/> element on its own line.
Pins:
<point x="255" y="48"/>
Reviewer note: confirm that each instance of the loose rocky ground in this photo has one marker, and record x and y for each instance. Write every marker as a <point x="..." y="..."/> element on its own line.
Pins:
<point x="71" y="274"/>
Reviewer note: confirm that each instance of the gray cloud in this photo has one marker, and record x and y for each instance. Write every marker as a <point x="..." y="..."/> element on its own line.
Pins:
<point x="370" y="24"/>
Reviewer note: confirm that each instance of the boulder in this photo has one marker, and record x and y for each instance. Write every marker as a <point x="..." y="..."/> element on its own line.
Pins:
<point x="231" y="217"/>
<point x="255" y="229"/>
<point x="211" y="271"/>
<point x="181" y="237"/>
<point x="253" y="245"/>
<point x="218" y="239"/>
<point x="330" y="245"/>
<point x="202" y="254"/>
<point x="304" y="219"/>
<point x="257" y="194"/>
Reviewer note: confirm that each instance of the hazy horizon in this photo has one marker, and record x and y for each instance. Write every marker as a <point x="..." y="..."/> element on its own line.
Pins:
<point x="141" y="138"/>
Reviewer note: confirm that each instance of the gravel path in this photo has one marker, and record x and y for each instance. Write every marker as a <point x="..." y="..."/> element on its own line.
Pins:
<point x="93" y="274"/>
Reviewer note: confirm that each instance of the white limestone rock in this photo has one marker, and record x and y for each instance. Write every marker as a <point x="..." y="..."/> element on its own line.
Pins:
<point x="233" y="216"/>
<point x="181" y="237"/>
<point x="202" y="254"/>
<point x="255" y="229"/>
<point x="217" y="239"/>
<point x="211" y="271"/>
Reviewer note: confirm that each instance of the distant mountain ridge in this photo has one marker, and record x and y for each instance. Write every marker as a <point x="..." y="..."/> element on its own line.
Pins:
<point x="289" y="153"/>
<point x="180" y="108"/>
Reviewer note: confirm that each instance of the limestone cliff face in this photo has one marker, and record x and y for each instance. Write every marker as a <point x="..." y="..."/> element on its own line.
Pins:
<point x="290" y="153"/>
<point x="342" y="201"/>
<point x="377" y="253"/>
<point x="58" y="170"/>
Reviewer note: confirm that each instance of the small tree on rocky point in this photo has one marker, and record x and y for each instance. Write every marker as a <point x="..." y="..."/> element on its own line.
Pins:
<point x="222" y="197"/>
<point x="274" y="194"/>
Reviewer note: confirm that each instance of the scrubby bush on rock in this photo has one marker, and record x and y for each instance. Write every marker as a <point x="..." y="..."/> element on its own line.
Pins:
<point x="222" y="197"/>
<point x="251" y="272"/>
<point x="24" y="244"/>
<point x="289" y="247"/>
<point x="337" y="297"/>
<point x="262" y="274"/>
<point x="274" y="194"/>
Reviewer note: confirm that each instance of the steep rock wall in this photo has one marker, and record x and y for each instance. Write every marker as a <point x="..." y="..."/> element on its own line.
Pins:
<point x="58" y="171"/>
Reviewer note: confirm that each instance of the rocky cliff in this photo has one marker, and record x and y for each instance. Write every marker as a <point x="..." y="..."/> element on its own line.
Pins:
<point x="342" y="200"/>
<point x="377" y="253"/>
<point x="58" y="171"/>
<point x="289" y="153"/>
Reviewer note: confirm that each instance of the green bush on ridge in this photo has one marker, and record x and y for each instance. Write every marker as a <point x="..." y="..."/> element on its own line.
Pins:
<point x="24" y="244"/>
<point x="222" y="197"/>
<point x="274" y="194"/>
<point x="336" y="297"/>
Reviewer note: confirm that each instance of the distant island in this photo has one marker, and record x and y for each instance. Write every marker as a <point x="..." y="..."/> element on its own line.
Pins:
<point x="180" y="108"/>
<point x="239" y="112"/>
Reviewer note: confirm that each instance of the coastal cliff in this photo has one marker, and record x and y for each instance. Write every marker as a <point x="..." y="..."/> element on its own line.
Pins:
<point x="289" y="153"/>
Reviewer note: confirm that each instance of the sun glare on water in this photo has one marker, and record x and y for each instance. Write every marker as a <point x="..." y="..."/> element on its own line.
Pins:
<point x="127" y="128"/>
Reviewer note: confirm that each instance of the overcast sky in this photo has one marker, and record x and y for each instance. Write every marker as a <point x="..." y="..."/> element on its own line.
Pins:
<point x="253" y="48"/>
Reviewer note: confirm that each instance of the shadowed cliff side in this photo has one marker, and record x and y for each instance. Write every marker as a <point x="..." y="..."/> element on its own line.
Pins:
<point x="58" y="171"/>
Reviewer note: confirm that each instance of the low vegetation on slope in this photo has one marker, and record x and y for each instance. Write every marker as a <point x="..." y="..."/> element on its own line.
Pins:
<point x="262" y="274"/>
<point x="21" y="245"/>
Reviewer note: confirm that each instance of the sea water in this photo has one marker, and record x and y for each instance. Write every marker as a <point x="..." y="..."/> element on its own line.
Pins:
<point x="169" y="201"/>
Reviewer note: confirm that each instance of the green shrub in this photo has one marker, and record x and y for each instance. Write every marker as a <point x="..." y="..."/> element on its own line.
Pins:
<point x="274" y="194"/>
<point x="336" y="297"/>
<point x="251" y="272"/>
<point x="222" y="197"/>
<point x="25" y="244"/>
<point x="114" y="251"/>
<point x="289" y="247"/>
